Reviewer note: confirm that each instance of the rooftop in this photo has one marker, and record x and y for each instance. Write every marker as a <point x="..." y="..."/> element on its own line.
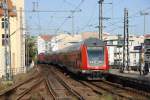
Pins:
<point x="11" y="9"/>
<point x="46" y="37"/>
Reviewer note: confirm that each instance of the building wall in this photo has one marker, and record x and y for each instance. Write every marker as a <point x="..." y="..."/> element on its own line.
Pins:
<point x="41" y="45"/>
<point x="63" y="40"/>
<point x="2" y="61"/>
<point x="17" y="41"/>
<point x="116" y="53"/>
<point x="111" y="55"/>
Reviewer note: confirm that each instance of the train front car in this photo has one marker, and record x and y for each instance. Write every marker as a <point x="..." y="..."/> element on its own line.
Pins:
<point x="94" y="58"/>
<point x="41" y="58"/>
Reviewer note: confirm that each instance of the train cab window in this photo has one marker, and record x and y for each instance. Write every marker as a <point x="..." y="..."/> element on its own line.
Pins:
<point x="95" y="55"/>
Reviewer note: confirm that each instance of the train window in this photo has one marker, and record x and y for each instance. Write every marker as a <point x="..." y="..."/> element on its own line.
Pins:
<point x="95" y="55"/>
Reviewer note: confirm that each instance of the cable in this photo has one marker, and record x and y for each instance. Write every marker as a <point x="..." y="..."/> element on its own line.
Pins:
<point x="38" y="17"/>
<point x="69" y="15"/>
<point x="68" y="3"/>
<point x="130" y="17"/>
<point x="88" y="22"/>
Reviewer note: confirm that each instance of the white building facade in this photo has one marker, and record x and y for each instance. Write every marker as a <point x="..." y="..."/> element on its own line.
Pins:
<point x="63" y="40"/>
<point x="43" y="44"/>
<point x="115" y="48"/>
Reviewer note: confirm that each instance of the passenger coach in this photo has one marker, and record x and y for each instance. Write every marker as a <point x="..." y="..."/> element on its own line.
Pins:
<point x="88" y="58"/>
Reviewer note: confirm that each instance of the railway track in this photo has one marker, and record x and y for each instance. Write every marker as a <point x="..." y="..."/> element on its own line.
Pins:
<point x="103" y="87"/>
<point x="117" y="91"/>
<point x="139" y="84"/>
<point x="136" y="91"/>
<point x="27" y="90"/>
<point x="19" y="90"/>
<point x="55" y="86"/>
<point x="59" y="86"/>
<point x="75" y="89"/>
<point x="62" y="93"/>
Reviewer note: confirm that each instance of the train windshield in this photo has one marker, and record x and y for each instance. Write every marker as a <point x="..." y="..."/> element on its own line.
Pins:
<point x="95" y="56"/>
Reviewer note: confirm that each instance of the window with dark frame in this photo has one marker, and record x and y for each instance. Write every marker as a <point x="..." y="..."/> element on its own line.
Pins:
<point x="3" y="39"/>
<point x="3" y="23"/>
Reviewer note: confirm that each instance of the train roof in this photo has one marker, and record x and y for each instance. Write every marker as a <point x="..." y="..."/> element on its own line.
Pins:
<point x="88" y="42"/>
<point x="94" y="42"/>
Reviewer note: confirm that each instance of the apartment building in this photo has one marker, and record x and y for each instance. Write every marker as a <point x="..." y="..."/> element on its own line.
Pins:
<point x="17" y="41"/>
<point x="43" y="43"/>
<point x="62" y="41"/>
<point x="115" y="48"/>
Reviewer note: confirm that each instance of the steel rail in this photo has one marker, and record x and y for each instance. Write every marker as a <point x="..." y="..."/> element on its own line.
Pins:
<point x="66" y="85"/>
<point x="29" y="89"/>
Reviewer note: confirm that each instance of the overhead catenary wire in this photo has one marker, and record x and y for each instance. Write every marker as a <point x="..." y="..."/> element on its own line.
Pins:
<point x="69" y="3"/>
<point x="88" y="24"/>
<point x="73" y="11"/>
<point x="38" y="16"/>
<point x="56" y="11"/>
<point x="120" y="21"/>
<point x="89" y="21"/>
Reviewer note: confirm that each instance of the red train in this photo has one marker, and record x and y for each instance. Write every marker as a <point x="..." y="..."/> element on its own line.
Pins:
<point x="87" y="58"/>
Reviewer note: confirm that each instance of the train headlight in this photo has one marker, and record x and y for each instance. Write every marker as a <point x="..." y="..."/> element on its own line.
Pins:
<point x="99" y="62"/>
<point x="92" y="62"/>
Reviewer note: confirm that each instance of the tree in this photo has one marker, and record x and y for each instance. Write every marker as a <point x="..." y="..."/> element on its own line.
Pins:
<point x="31" y="49"/>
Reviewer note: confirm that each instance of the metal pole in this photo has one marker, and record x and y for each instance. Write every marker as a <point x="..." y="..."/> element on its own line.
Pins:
<point x="7" y="41"/>
<point x="100" y="19"/>
<point x="144" y="14"/>
<point x="26" y="50"/>
<point x="124" y="42"/>
<point x="27" y="53"/>
<point x="112" y="10"/>
<point x="140" y="52"/>
<point x="127" y="29"/>
<point x="22" y="42"/>
<point x="144" y="23"/>
<point x="5" y="36"/>
<point x="72" y="22"/>
<point x="112" y="16"/>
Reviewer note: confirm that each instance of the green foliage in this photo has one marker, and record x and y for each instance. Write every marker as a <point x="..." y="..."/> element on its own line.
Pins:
<point x="31" y="48"/>
<point x="4" y="85"/>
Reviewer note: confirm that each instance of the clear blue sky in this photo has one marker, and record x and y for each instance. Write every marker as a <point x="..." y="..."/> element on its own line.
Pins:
<point x="87" y="19"/>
